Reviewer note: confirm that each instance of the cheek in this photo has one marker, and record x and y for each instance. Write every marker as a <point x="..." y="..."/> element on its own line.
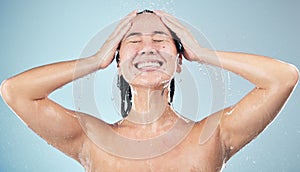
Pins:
<point x="126" y="54"/>
<point x="167" y="48"/>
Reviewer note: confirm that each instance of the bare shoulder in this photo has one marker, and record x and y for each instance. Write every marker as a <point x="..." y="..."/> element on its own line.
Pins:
<point x="208" y="155"/>
<point x="210" y="127"/>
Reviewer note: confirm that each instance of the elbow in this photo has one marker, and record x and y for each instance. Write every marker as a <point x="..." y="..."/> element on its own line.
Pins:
<point x="288" y="78"/>
<point x="6" y="91"/>
<point x="292" y="76"/>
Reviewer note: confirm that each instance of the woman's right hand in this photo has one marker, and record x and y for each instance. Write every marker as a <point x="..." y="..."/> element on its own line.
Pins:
<point x="107" y="52"/>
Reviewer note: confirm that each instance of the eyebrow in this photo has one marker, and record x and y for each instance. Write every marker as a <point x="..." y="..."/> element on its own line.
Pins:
<point x="140" y="34"/>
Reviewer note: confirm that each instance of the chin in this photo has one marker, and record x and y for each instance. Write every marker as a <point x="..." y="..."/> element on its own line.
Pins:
<point x="151" y="81"/>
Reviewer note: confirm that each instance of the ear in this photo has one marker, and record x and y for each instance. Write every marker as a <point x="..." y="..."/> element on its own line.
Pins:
<point x="179" y="63"/>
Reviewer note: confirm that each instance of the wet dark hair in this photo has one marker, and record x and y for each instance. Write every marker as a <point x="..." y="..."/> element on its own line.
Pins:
<point x="145" y="11"/>
<point x="126" y="96"/>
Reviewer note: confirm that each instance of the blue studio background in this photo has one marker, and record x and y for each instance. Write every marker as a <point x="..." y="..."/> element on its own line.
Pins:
<point x="34" y="33"/>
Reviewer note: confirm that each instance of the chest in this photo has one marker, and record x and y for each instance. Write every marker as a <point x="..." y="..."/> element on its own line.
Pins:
<point x="189" y="155"/>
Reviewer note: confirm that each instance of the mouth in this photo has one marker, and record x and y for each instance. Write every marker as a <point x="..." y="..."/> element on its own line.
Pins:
<point x="146" y="65"/>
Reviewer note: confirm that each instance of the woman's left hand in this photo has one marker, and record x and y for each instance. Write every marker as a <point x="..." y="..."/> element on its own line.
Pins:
<point x="192" y="49"/>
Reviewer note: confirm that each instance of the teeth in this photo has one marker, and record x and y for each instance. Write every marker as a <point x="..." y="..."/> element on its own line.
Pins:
<point x="147" y="64"/>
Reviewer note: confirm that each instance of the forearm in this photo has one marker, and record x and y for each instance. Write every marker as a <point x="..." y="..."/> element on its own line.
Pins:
<point x="39" y="82"/>
<point x="262" y="71"/>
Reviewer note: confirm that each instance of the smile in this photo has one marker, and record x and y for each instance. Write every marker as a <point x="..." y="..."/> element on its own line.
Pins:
<point x="148" y="64"/>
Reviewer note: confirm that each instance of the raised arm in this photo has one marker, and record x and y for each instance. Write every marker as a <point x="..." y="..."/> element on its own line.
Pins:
<point x="27" y="94"/>
<point x="274" y="81"/>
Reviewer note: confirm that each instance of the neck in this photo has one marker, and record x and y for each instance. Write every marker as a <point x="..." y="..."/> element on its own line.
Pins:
<point x="148" y="104"/>
<point x="150" y="115"/>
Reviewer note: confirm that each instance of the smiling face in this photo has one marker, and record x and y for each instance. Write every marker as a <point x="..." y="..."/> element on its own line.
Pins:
<point x="148" y="53"/>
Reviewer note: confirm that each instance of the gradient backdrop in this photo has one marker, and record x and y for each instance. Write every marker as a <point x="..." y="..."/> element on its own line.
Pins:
<point x="34" y="33"/>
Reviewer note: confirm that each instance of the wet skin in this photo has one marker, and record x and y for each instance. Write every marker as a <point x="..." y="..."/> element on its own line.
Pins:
<point x="148" y="61"/>
<point x="188" y="155"/>
<point x="148" y="56"/>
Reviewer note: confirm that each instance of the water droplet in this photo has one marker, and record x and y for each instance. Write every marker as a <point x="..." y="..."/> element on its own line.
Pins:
<point x="230" y="112"/>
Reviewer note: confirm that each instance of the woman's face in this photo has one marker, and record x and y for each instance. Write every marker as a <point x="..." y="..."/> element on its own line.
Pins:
<point x="148" y="53"/>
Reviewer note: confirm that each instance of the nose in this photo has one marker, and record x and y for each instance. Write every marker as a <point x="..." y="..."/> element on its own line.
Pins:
<point x="147" y="48"/>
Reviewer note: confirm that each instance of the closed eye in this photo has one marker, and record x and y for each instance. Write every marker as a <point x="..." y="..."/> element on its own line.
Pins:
<point x="135" y="41"/>
<point x="158" y="40"/>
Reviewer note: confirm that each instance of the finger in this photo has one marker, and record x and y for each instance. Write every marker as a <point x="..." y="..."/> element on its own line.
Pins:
<point x="120" y="32"/>
<point x="133" y="13"/>
<point x="123" y="23"/>
<point x="173" y="26"/>
<point x="107" y="51"/>
<point x="170" y="21"/>
<point x="129" y="17"/>
<point x="174" y="21"/>
<point x="166" y="15"/>
<point x="180" y="29"/>
<point x="122" y="28"/>
<point x="186" y="38"/>
<point x="160" y="13"/>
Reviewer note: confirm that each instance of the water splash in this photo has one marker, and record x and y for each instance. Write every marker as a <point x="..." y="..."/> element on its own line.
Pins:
<point x="165" y="5"/>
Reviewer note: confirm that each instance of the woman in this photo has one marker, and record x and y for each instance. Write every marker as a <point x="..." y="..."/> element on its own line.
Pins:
<point x="148" y="46"/>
